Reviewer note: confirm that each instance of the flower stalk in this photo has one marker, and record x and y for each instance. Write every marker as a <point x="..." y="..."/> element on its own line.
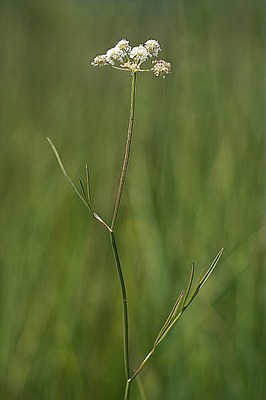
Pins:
<point x="127" y="150"/>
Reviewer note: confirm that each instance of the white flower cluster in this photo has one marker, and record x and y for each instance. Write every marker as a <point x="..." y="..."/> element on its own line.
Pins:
<point x="139" y="54"/>
<point x="161" y="68"/>
<point x="130" y="59"/>
<point x="153" y="47"/>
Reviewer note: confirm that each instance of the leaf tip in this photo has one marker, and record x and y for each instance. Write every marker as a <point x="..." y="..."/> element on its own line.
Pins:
<point x="220" y="253"/>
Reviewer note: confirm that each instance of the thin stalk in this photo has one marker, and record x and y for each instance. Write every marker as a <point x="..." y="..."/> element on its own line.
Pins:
<point x="127" y="390"/>
<point x="124" y="303"/>
<point x="127" y="152"/>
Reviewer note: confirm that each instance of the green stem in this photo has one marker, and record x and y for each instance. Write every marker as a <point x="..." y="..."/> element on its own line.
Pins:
<point x="124" y="303"/>
<point x="112" y="237"/>
<point x="127" y="152"/>
<point x="127" y="390"/>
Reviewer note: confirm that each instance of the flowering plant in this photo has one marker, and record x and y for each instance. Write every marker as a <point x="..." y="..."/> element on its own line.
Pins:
<point x="125" y="58"/>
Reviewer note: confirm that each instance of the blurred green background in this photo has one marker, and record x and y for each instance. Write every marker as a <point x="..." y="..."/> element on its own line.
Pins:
<point x="195" y="184"/>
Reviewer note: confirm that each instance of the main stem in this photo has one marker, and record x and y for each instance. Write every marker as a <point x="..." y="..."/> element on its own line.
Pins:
<point x="112" y="237"/>
<point x="127" y="152"/>
<point x="124" y="302"/>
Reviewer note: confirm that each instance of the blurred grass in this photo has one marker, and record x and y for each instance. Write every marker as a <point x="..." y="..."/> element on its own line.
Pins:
<point x="196" y="183"/>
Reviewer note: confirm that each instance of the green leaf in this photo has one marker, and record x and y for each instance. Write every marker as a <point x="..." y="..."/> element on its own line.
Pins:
<point x="189" y="283"/>
<point x="203" y="278"/>
<point x="88" y="184"/>
<point x="83" y="189"/>
<point x="211" y="268"/>
<point x="171" y="317"/>
<point x="66" y="175"/>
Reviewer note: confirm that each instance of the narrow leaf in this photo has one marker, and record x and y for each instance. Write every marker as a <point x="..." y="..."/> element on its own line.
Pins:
<point x="189" y="283"/>
<point x="88" y="184"/>
<point x="82" y="188"/>
<point x="169" y="327"/>
<point x="203" y="278"/>
<point x="195" y="290"/>
<point x="169" y="319"/>
<point x="211" y="268"/>
<point x="172" y="312"/>
<point x="65" y="173"/>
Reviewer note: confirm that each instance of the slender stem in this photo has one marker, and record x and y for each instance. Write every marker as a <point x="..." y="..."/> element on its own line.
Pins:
<point x="124" y="303"/>
<point x="112" y="237"/>
<point x="127" y="152"/>
<point x="127" y="390"/>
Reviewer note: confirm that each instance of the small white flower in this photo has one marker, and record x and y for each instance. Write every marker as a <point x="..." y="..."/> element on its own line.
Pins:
<point x="161" y="68"/>
<point x="114" y="54"/>
<point x="139" y="53"/>
<point x="153" y="47"/>
<point x="100" y="61"/>
<point x="123" y="45"/>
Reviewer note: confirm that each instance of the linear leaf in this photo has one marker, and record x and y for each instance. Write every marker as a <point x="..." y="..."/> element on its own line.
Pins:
<point x="65" y="173"/>
<point x="171" y="317"/>
<point x="203" y="278"/>
<point x="195" y="290"/>
<point x="88" y="184"/>
<point x="83" y="189"/>
<point x="211" y="268"/>
<point x="170" y="327"/>
<point x="189" y="283"/>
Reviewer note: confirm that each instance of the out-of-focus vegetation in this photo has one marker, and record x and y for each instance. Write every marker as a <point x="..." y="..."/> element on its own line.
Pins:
<point x="195" y="184"/>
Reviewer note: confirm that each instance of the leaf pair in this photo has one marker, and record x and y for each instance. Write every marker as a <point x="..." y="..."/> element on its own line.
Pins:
<point x="86" y="192"/>
<point x="185" y="298"/>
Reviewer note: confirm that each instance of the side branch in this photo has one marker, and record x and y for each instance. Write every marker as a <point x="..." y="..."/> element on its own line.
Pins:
<point x="181" y="304"/>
